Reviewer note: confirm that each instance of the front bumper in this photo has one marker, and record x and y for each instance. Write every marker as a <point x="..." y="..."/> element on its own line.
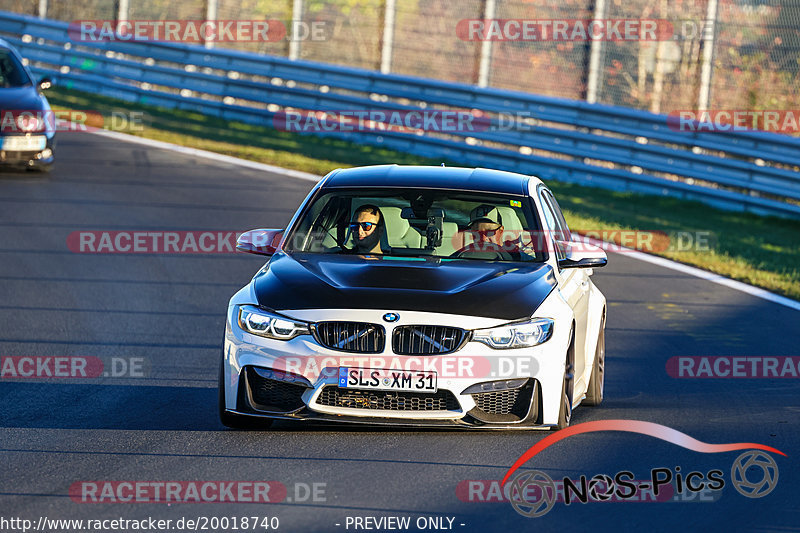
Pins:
<point x="295" y="399"/>
<point x="36" y="159"/>
<point x="313" y="370"/>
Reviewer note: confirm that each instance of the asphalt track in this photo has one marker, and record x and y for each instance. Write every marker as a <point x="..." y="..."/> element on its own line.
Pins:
<point x="169" y="310"/>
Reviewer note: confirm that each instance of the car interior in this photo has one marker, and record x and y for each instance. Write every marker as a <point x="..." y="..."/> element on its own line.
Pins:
<point x="11" y="73"/>
<point x="436" y="228"/>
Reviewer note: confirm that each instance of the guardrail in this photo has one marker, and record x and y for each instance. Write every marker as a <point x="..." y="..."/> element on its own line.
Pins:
<point x="559" y="139"/>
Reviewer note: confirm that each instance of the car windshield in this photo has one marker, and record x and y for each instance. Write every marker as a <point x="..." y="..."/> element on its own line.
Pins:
<point x="11" y="72"/>
<point x="418" y="223"/>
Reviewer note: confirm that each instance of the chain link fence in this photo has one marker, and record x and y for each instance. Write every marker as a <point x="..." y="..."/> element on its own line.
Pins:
<point x="550" y="68"/>
<point x="721" y="54"/>
<point x="425" y="42"/>
<point x="757" y="55"/>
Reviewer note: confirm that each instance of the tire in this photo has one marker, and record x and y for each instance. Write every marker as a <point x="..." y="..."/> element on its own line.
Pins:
<point x="594" y="393"/>
<point x="233" y="420"/>
<point x="567" y="385"/>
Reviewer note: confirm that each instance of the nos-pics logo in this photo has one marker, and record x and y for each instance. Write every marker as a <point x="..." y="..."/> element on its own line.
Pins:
<point x="533" y="493"/>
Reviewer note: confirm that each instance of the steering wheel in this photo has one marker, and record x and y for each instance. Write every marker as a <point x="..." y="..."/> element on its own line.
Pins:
<point x="485" y="250"/>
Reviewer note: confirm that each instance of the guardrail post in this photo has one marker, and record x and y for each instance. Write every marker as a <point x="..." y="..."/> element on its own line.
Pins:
<point x="593" y="76"/>
<point x="387" y="38"/>
<point x="658" y="73"/>
<point x="294" y="38"/>
<point x="122" y="12"/>
<point x="489" y="8"/>
<point x="42" y="9"/>
<point x="211" y="14"/>
<point x="707" y="68"/>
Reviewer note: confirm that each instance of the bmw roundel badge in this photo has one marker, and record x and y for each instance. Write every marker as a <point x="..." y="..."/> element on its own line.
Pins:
<point x="391" y="317"/>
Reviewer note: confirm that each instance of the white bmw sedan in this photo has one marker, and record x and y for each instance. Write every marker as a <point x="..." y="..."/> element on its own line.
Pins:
<point x="422" y="296"/>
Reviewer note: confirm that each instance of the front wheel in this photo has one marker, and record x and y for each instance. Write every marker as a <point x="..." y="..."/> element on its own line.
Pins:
<point x="594" y="394"/>
<point x="565" y="411"/>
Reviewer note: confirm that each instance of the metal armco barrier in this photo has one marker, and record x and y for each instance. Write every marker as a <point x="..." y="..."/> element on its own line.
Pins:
<point x="556" y="139"/>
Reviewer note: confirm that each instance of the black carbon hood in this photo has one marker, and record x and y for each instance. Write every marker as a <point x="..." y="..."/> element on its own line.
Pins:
<point x="499" y="290"/>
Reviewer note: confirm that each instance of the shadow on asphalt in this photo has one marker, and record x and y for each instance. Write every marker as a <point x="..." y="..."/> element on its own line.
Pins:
<point x="52" y="405"/>
<point x="130" y="407"/>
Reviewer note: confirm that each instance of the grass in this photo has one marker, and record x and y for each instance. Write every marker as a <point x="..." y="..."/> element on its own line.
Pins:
<point x="761" y="251"/>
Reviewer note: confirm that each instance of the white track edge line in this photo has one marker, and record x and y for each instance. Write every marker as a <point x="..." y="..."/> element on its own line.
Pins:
<point x="698" y="273"/>
<point x="641" y="256"/>
<point x="208" y="155"/>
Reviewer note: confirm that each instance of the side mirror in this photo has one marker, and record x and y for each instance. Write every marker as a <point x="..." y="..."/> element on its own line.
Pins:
<point x="45" y="83"/>
<point x="581" y="255"/>
<point x="260" y="241"/>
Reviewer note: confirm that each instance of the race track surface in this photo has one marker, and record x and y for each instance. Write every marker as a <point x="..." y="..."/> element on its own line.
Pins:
<point x="167" y="312"/>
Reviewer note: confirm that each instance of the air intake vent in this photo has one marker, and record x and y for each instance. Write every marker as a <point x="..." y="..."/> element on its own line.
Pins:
<point x="442" y="400"/>
<point x="498" y="403"/>
<point x="272" y="394"/>
<point x="505" y="405"/>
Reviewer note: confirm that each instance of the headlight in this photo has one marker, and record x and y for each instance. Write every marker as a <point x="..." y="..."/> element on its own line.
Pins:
<point x="264" y="324"/>
<point x="518" y="335"/>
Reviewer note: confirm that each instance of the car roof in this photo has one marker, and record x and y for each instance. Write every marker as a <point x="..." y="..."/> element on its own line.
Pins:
<point x="456" y="178"/>
<point x="5" y="45"/>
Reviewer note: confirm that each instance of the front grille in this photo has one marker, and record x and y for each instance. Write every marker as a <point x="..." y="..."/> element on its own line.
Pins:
<point x="442" y="400"/>
<point x="274" y="395"/>
<point x="358" y="337"/>
<point x="497" y="403"/>
<point x="427" y="340"/>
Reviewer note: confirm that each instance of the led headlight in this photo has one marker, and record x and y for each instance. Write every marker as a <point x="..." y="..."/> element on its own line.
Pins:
<point x="272" y="326"/>
<point x="517" y="335"/>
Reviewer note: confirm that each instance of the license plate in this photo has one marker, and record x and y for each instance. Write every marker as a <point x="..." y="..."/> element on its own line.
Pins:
<point x="386" y="379"/>
<point x="18" y="143"/>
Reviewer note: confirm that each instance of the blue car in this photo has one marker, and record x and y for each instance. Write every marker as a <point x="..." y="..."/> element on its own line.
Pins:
<point x="27" y="124"/>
